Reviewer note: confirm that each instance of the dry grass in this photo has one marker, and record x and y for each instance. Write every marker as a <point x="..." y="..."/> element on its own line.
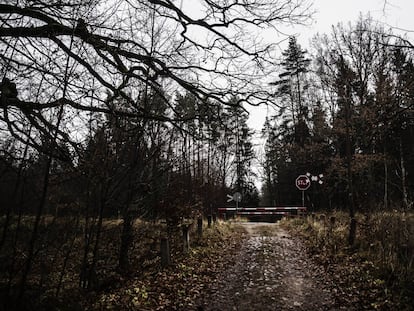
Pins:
<point x="382" y="256"/>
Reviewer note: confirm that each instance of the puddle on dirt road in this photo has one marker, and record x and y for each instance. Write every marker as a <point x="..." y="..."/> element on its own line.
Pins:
<point x="270" y="272"/>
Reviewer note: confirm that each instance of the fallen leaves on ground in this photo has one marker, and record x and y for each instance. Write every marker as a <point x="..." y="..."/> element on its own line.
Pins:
<point x="357" y="280"/>
<point x="179" y="286"/>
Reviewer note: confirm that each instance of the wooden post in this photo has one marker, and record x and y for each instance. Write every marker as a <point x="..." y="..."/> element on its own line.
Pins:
<point x="332" y="220"/>
<point x="214" y="217"/>
<point x="331" y="241"/>
<point x="200" y="227"/>
<point x="165" y="253"/>
<point x="209" y="220"/>
<point x="186" y="238"/>
<point x="352" y="231"/>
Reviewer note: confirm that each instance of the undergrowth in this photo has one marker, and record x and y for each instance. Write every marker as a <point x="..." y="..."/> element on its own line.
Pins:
<point x="147" y="286"/>
<point x="181" y="285"/>
<point x="377" y="272"/>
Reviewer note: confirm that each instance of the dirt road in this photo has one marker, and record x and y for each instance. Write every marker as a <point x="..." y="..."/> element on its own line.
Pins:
<point x="271" y="272"/>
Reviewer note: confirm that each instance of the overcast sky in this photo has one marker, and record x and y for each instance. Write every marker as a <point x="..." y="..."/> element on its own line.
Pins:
<point x="398" y="14"/>
<point x="393" y="13"/>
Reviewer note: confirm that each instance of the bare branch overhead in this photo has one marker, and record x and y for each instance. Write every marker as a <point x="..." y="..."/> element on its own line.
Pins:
<point x="118" y="52"/>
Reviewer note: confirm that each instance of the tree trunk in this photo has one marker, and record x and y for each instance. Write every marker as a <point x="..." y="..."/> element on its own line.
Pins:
<point x="88" y="277"/>
<point x="349" y="153"/>
<point x="126" y="242"/>
<point x="403" y="176"/>
<point x="67" y="256"/>
<point x="385" y="180"/>
<point x="34" y="236"/>
<point x="9" y="211"/>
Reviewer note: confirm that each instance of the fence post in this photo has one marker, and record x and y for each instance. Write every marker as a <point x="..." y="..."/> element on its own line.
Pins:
<point x="209" y="221"/>
<point x="214" y="218"/>
<point x="200" y="227"/>
<point x="186" y="238"/>
<point x="165" y="253"/>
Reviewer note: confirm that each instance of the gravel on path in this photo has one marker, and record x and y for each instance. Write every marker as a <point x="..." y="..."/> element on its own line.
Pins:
<point x="272" y="271"/>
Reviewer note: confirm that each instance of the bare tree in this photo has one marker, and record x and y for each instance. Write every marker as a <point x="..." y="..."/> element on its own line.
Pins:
<point x="62" y="61"/>
<point x="213" y="51"/>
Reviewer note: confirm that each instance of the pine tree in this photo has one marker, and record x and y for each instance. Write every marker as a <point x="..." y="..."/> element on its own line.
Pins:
<point x="291" y="89"/>
<point x="243" y="153"/>
<point x="287" y="134"/>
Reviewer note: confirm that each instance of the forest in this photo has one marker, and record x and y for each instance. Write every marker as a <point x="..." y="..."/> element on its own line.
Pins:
<point x="136" y="112"/>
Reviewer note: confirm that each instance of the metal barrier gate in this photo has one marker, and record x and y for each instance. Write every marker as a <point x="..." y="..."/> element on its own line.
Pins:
<point x="262" y="211"/>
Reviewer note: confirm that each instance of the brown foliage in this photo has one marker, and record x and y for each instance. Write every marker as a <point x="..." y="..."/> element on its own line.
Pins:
<point x="378" y="272"/>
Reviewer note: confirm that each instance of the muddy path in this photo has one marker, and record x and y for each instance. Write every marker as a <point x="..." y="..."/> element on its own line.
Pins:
<point x="271" y="271"/>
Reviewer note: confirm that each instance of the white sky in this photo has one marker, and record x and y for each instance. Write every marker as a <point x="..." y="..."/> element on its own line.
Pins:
<point x="392" y="13"/>
<point x="397" y="13"/>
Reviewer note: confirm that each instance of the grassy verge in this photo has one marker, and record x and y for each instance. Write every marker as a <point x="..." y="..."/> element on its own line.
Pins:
<point x="377" y="273"/>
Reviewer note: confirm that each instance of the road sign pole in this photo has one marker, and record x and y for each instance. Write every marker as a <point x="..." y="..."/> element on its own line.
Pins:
<point x="303" y="198"/>
<point x="303" y="183"/>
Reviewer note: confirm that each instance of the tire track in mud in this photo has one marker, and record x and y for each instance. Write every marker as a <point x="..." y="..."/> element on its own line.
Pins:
<point x="272" y="271"/>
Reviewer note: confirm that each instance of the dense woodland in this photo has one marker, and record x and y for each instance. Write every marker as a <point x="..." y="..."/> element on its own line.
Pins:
<point x="346" y="112"/>
<point x="123" y="111"/>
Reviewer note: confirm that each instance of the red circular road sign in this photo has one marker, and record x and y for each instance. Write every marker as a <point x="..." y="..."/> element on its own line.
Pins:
<point x="303" y="182"/>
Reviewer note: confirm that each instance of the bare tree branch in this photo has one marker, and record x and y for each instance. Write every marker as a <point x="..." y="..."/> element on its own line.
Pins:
<point x="116" y="56"/>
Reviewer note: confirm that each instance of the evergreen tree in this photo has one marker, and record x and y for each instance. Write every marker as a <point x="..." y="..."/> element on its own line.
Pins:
<point x="291" y="89"/>
<point x="287" y="134"/>
<point x="240" y="137"/>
